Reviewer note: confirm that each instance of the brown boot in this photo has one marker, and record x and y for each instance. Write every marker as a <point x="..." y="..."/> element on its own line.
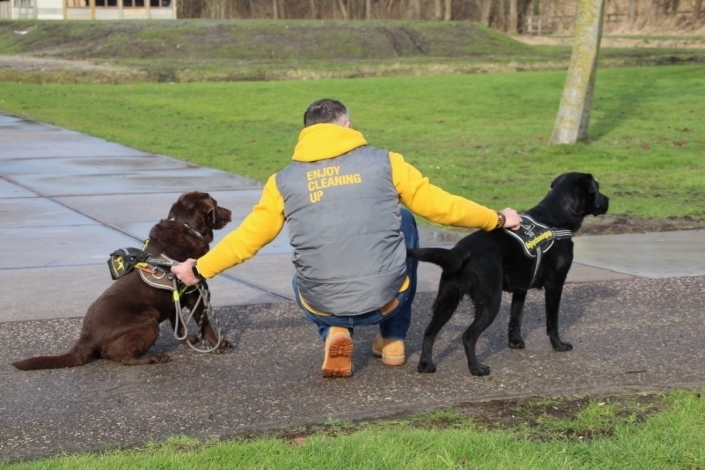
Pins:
<point x="337" y="361"/>
<point x="390" y="350"/>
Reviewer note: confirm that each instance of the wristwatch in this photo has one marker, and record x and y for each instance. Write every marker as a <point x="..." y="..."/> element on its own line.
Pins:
<point x="196" y="272"/>
<point x="501" y="220"/>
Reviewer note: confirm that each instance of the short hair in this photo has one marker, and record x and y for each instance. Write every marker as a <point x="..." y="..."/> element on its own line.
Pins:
<point x="324" y="111"/>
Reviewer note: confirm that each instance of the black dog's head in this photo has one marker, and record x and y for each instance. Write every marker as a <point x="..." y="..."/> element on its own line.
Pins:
<point x="573" y="196"/>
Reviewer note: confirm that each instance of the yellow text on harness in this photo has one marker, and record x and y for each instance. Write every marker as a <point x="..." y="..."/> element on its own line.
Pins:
<point x="530" y="244"/>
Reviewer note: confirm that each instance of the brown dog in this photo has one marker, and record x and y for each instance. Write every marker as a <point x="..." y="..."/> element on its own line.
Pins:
<point x="123" y="323"/>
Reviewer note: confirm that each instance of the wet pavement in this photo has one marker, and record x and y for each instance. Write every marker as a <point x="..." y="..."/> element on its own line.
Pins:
<point x="632" y="310"/>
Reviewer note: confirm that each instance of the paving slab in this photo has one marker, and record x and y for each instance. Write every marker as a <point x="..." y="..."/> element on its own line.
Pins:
<point x="653" y="255"/>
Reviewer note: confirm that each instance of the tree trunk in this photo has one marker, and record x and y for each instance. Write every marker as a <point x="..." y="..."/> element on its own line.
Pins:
<point x="414" y="11"/>
<point x="368" y="9"/>
<point x="696" y="10"/>
<point x="485" y="11"/>
<point x="343" y="9"/>
<point x="447" y="16"/>
<point x="656" y="8"/>
<point x="437" y="10"/>
<point x="513" y="17"/>
<point x="275" y="11"/>
<point x="631" y="13"/>
<point x="576" y="102"/>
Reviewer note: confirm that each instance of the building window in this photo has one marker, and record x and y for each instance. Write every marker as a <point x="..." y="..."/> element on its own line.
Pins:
<point x="105" y="3"/>
<point x="24" y="4"/>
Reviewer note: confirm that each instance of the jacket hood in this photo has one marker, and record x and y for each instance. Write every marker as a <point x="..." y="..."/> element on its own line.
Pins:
<point x="322" y="141"/>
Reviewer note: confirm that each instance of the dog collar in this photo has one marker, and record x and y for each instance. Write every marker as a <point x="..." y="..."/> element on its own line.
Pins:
<point x="192" y="230"/>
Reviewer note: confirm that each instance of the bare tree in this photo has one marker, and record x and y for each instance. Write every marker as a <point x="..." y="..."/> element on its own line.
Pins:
<point x="576" y="102"/>
<point x="414" y="12"/>
<point x="343" y="9"/>
<point x="697" y="8"/>
<point x="447" y="15"/>
<point x="631" y="15"/>
<point x="513" y="17"/>
<point x="485" y="11"/>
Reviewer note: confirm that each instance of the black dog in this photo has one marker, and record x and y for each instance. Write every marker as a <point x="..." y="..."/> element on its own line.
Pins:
<point x="483" y="264"/>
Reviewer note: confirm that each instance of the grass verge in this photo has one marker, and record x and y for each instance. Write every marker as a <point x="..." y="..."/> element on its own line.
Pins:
<point x="642" y="431"/>
<point x="482" y="136"/>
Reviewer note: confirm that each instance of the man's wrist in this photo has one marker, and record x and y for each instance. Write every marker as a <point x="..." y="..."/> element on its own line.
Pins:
<point x="501" y="220"/>
<point x="196" y="272"/>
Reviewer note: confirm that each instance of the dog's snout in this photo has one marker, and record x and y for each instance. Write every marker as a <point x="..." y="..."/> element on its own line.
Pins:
<point x="602" y="206"/>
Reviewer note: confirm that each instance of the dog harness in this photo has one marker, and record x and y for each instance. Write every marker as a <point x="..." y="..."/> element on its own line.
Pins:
<point x="155" y="272"/>
<point x="536" y="238"/>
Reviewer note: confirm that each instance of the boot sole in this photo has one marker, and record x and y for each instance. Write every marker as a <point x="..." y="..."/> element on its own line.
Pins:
<point x="338" y="361"/>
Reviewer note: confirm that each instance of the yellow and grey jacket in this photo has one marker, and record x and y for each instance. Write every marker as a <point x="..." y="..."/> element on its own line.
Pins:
<point x="341" y="201"/>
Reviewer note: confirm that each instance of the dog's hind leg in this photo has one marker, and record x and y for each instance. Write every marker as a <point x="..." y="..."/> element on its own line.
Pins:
<point x="515" y="317"/>
<point x="486" y="310"/>
<point x="447" y="300"/>
<point x="130" y="348"/>
<point x="553" y="302"/>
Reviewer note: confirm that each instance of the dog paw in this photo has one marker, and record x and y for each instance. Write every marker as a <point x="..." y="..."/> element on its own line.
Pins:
<point x="425" y="367"/>
<point x="517" y="344"/>
<point x="193" y="339"/>
<point x="480" y="370"/>
<point x="560" y="346"/>
<point x="159" y="359"/>
<point x="225" y="344"/>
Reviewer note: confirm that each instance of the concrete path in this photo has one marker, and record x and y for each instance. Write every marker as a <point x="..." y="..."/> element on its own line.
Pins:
<point x="632" y="309"/>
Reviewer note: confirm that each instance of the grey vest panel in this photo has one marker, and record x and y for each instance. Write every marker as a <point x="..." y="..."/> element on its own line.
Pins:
<point x="343" y="217"/>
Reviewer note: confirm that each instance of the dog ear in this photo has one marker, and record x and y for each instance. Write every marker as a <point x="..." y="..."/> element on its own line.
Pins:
<point x="211" y="208"/>
<point x="189" y="200"/>
<point x="594" y="189"/>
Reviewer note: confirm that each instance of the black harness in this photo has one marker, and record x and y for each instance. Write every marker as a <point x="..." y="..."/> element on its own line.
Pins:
<point x="536" y="238"/>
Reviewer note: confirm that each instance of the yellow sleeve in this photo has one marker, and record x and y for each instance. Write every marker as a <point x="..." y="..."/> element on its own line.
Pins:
<point x="260" y="227"/>
<point x="435" y="204"/>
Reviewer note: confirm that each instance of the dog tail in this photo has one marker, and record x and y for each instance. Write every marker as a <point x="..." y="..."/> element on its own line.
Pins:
<point x="77" y="356"/>
<point x="443" y="257"/>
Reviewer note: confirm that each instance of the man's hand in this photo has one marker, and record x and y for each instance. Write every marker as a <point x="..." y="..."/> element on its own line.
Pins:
<point x="512" y="220"/>
<point x="184" y="272"/>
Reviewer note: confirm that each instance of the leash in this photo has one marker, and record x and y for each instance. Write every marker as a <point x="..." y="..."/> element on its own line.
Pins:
<point x="534" y="237"/>
<point x="203" y="294"/>
<point x="124" y="260"/>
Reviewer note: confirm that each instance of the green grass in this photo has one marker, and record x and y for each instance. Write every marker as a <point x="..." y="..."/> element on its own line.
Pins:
<point x="483" y="136"/>
<point x="630" y="432"/>
<point x="237" y="50"/>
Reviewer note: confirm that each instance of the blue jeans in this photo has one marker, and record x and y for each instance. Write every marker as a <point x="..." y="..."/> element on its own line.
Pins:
<point x="395" y="324"/>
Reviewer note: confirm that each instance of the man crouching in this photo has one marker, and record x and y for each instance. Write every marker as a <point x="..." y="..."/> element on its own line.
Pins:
<point x="342" y="202"/>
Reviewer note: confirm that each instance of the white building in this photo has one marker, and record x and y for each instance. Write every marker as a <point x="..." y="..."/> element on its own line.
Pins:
<point x="88" y="9"/>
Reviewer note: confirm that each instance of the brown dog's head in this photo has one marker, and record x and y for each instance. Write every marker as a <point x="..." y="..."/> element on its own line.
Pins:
<point x="200" y="212"/>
